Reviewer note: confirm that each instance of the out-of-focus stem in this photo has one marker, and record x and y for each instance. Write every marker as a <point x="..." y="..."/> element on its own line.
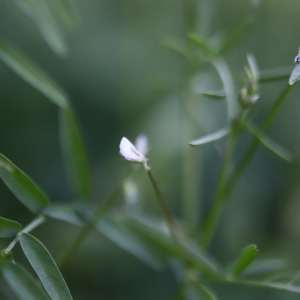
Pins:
<point x="163" y="207"/>
<point x="246" y="158"/>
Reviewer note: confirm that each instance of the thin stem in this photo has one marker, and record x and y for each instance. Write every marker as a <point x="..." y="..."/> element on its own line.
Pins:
<point x="88" y="228"/>
<point x="245" y="160"/>
<point x="218" y="201"/>
<point x="31" y="226"/>
<point x="164" y="208"/>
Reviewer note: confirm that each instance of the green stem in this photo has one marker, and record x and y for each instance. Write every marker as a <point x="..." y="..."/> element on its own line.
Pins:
<point x="88" y="228"/>
<point x="245" y="160"/>
<point x="218" y="201"/>
<point x="31" y="226"/>
<point x="163" y="207"/>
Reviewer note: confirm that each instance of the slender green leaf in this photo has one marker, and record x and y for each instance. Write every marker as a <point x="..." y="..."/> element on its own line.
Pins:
<point x="246" y="257"/>
<point x="127" y="240"/>
<point x="227" y="81"/>
<point x="32" y="74"/>
<point x="175" y="45"/>
<point x="295" y="280"/>
<point x="203" y="45"/>
<point x="269" y="144"/>
<point x="215" y="95"/>
<point x="45" y="267"/>
<point x="274" y="75"/>
<point x="64" y="12"/>
<point x="236" y="34"/>
<point x="22" y="186"/>
<point x="75" y="155"/>
<point x="264" y="267"/>
<point x="22" y="283"/>
<point x="41" y="15"/>
<point x="161" y="240"/>
<point x="207" y="293"/>
<point x="63" y="213"/>
<point x="9" y="228"/>
<point x="253" y="67"/>
<point x="211" y="138"/>
<point x="273" y="285"/>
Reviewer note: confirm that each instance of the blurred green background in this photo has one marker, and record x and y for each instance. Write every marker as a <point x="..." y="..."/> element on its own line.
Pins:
<point x="122" y="82"/>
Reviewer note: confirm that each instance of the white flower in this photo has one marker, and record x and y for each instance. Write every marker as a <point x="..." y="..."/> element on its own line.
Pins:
<point x="130" y="153"/>
<point x="141" y="143"/>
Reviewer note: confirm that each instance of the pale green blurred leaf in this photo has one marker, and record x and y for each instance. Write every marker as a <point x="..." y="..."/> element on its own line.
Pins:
<point x="41" y="15"/>
<point x="64" y="213"/>
<point x="22" y="283"/>
<point x="207" y="293"/>
<point x="127" y="240"/>
<point x="214" y="95"/>
<point x="45" y="267"/>
<point x="237" y="33"/>
<point x="210" y="138"/>
<point x="64" y="12"/>
<point x="32" y="74"/>
<point x="8" y="227"/>
<point x="245" y="258"/>
<point x="158" y="237"/>
<point x="176" y="45"/>
<point x="269" y="144"/>
<point x="22" y="186"/>
<point x="202" y="44"/>
<point x="75" y="155"/>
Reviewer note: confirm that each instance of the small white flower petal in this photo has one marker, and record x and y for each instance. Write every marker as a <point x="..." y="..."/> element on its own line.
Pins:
<point x="141" y="143"/>
<point x="130" y="153"/>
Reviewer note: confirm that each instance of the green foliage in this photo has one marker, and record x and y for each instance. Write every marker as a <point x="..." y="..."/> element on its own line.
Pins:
<point x="9" y="228"/>
<point x="74" y="155"/>
<point x="156" y="242"/>
<point x="45" y="268"/>
<point x="22" y="283"/>
<point x="32" y="74"/>
<point x="22" y="186"/>
<point x="245" y="259"/>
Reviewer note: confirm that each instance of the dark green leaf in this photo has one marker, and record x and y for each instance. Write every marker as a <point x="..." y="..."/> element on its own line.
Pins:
<point x="9" y="228"/>
<point x="123" y="237"/>
<point x="75" y="155"/>
<point x="45" y="267"/>
<point x="269" y="144"/>
<point x="210" y="138"/>
<point x="32" y="74"/>
<point x="22" y="186"/>
<point x="41" y="15"/>
<point x="246" y="257"/>
<point x="22" y="283"/>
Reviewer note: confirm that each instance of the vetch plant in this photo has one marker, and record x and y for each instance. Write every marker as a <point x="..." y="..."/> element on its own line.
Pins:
<point x="181" y="242"/>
